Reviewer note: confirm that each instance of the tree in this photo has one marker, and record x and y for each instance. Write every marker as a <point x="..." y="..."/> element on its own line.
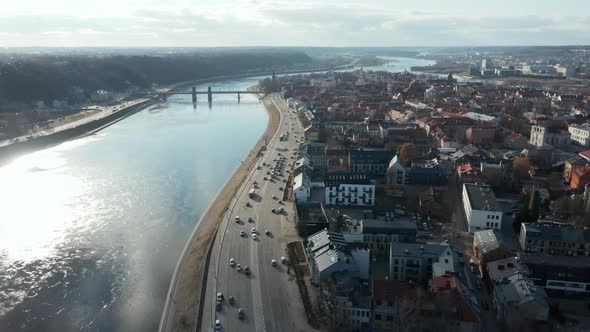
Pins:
<point x="407" y="152"/>
<point x="520" y="168"/>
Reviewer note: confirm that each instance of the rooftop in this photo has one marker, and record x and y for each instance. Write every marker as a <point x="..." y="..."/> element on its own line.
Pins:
<point x="336" y="179"/>
<point x="503" y="268"/>
<point x="488" y="240"/>
<point x="481" y="197"/>
<point x="551" y="231"/>
<point x="387" y="227"/>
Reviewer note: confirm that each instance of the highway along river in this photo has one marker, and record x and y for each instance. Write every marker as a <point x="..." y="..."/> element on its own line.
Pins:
<point x="90" y="230"/>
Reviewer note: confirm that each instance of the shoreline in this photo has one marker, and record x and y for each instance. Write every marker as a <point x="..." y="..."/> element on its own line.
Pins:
<point x="10" y="152"/>
<point x="182" y="309"/>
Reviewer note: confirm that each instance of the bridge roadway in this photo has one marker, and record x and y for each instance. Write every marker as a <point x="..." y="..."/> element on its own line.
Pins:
<point x="269" y="295"/>
<point x="213" y="92"/>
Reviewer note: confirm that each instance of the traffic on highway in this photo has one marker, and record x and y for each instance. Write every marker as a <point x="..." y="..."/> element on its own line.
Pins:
<point x="249" y="285"/>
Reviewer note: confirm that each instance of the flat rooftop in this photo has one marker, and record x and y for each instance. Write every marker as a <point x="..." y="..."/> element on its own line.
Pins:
<point x="481" y="197"/>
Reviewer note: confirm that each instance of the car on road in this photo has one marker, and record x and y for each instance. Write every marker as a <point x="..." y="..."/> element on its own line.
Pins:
<point x="254" y="230"/>
<point x="273" y="262"/>
<point x="238" y="219"/>
<point x="218" y="306"/>
<point x="283" y="260"/>
<point x="238" y="267"/>
<point x="246" y="270"/>
<point x="254" y="237"/>
<point x="241" y="314"/>
<point x="232" y="262"/>
<point x="267" y="232"/>
<point x="242" y="233"/>
<point x="274" y="211"/>
<point x="217" y="325"/>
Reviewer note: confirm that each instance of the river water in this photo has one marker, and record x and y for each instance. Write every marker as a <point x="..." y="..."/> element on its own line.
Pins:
<point x="90" y="230"/>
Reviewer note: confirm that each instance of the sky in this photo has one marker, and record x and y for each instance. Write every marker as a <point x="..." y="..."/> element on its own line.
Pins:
<point x="204" y="23"/>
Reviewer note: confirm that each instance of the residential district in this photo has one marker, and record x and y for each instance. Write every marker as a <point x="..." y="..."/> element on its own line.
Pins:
<point x="433" y="205"/>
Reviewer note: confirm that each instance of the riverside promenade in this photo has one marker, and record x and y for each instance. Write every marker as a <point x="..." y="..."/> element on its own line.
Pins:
<point x="183" y="305"/>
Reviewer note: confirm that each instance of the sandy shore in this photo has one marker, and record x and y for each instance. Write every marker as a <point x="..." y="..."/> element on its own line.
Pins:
<point x="183" y="304"/>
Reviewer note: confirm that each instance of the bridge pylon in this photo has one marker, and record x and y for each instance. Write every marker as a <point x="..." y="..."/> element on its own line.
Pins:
<point x="194" y="93"/>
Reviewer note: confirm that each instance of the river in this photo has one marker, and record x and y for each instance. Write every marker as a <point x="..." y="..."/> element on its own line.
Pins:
<point x="90" y="230"/>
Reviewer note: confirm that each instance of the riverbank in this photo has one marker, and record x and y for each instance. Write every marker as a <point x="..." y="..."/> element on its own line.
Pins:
<point x="14" y="150"/>
<point x="183" y="305"/>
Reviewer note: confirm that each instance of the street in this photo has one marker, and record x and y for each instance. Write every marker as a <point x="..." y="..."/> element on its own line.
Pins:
<point x="269" y="295"/>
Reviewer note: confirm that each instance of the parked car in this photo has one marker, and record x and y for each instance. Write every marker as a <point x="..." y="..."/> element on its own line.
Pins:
<point x="241" y="314"/>
<point x="273" y="262"/>
<point x="246" y="270"/>
<point x="232" y="262"/>
<point x="217" y="325"/>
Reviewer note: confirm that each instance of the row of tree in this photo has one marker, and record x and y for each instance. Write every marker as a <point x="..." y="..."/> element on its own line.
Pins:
<point x="48" y="78"/>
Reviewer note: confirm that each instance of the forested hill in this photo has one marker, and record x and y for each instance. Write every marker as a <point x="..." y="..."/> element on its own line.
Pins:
<point x="50" y="77"/>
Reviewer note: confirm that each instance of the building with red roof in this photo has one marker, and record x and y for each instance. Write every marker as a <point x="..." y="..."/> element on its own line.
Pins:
<point x="580" y="177"/>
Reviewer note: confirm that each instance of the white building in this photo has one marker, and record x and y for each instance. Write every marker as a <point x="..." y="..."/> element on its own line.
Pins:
<point x="329" y="254"/>
<point x="541" y="136"/>
<point x="419" y="262"/>
<point x="301" y="188"/>
<point x="349" y="189"/>
<point x="580" y="133"/>
<point x="481" y="209"/>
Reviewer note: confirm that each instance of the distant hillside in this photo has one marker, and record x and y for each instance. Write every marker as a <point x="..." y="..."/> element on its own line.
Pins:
<point x="50" y="77"/>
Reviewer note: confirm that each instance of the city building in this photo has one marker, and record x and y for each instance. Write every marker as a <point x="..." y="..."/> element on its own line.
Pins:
<point x="316" y="152"/>
<point x="559" y="275"/>
<point x="580" y="133"/>
<point x="542" y="135"/>
<point x="489" y="246"/>
<point x="392" y="301"/>
<point x="455" y="303"/>
<point x="570" y="164"/>
<point x="580" y="177"/>
<point x="419" y="262"/>
<point x="349" y="189"/>
<point x="379" y="234"/>
<point x="481" y="209"/>
<point x="328" y="254"/>
<point x="301" y="188"/>
<point x="372" y="162"/>
<point x="500" y="269"/>
<point x="554" y="239"/>
<point x="519" y="302"/>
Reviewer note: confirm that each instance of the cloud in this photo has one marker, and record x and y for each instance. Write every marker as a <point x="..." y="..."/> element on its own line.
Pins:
<point x="296" y="22"/>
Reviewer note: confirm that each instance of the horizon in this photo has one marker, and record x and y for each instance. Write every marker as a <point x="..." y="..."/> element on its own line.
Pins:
<point x="243" y="23"/>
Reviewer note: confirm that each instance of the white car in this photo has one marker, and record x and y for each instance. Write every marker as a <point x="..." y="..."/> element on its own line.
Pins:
<point x="232" y="262"/>
<point x="237" y="219"/>
<point x="273" y="262"/>
<point x="253" y="230"/>
<point x="254" y="236"/>
<point x="217" y="325"/>
<point x="238" y="267"/>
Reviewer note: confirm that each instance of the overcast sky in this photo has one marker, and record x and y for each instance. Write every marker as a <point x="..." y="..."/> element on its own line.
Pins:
<point x="293" y="22"/>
